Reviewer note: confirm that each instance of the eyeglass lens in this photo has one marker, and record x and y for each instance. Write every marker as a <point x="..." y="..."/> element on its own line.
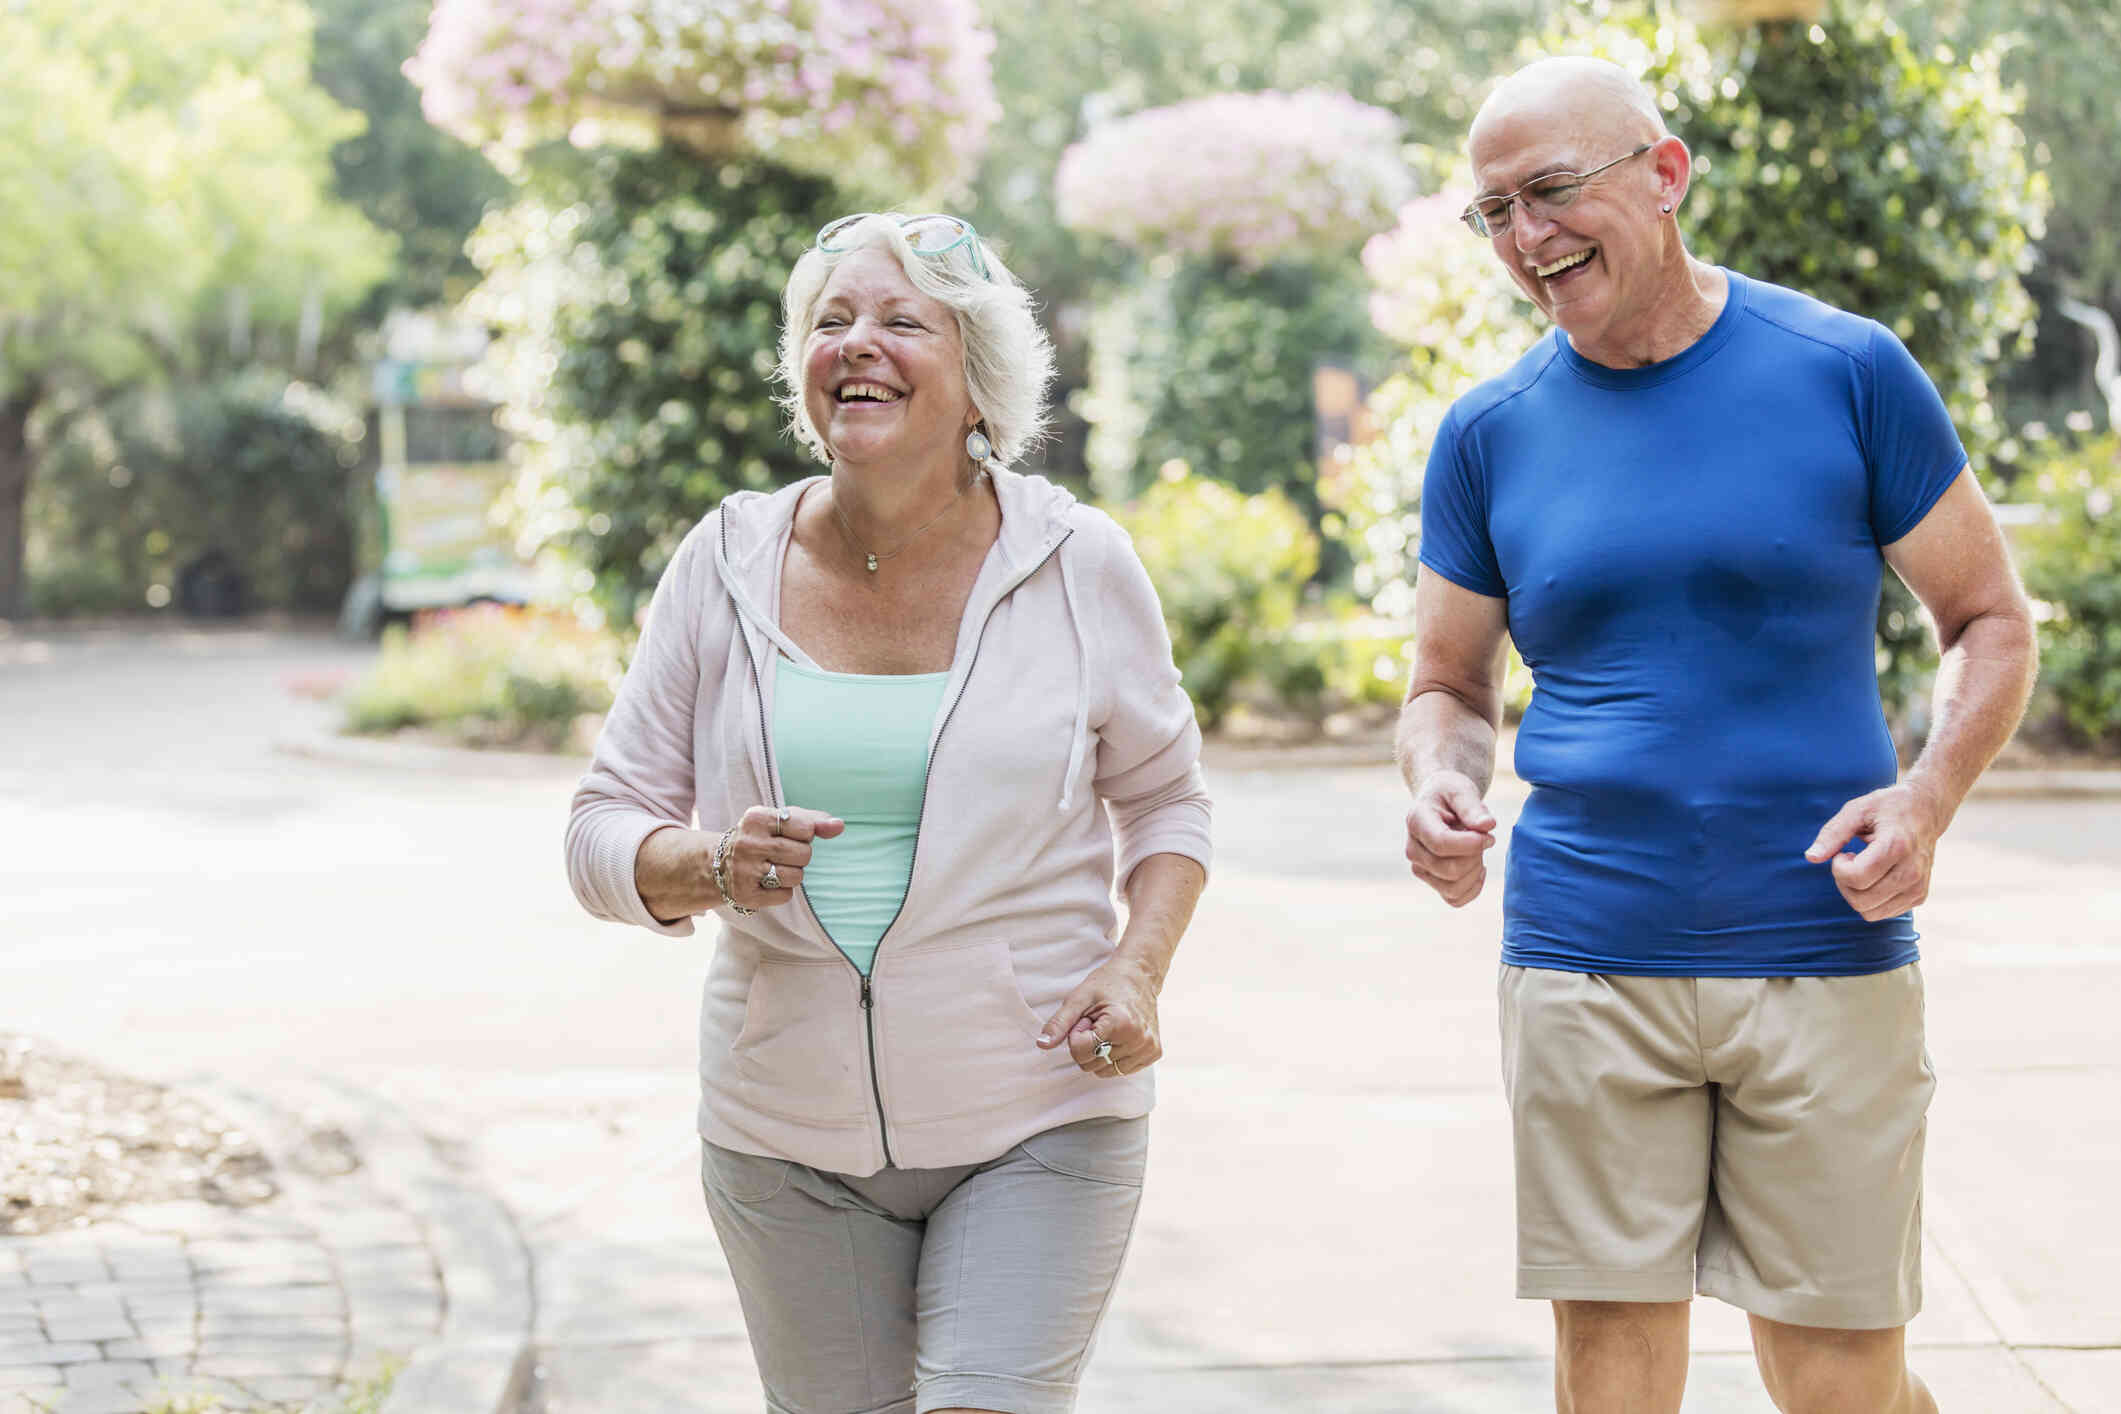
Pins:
<point x="1553" y="193"/>
<point x="929" y="234"/>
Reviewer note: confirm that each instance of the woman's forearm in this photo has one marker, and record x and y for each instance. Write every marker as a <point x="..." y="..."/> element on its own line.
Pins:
<point x="1161" y="894"/>
<point x="674" y="871"/>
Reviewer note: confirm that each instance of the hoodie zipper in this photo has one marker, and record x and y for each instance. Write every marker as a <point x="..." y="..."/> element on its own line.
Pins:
<point x="773" y="784"/>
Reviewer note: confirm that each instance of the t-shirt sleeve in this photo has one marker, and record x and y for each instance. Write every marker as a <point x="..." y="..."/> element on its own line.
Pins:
<point x="1913" y="448"/>
<point x="1454" y="518"/>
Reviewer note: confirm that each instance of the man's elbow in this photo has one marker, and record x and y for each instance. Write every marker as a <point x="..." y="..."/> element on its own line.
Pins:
<point x="2003" y="630"/>
<point x="1481" y="699"/>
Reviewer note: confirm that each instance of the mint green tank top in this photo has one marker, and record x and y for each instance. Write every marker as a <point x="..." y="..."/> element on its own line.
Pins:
<point x="855" y="745"/>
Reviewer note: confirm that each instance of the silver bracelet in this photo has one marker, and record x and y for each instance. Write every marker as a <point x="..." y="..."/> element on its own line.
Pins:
<point x="721" y="871"/>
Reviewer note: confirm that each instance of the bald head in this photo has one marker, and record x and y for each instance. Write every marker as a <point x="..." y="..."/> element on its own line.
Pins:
<point x="1590" y="96"/>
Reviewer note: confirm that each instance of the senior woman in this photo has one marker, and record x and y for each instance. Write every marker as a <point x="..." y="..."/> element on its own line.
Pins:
<point x="924" y="712"/>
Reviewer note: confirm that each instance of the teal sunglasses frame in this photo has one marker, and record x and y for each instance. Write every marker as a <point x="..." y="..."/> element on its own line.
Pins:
<point x="964" y="229"/>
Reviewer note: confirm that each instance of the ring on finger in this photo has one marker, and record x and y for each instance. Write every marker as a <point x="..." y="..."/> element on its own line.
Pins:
<point x="780" y="818"/>
<point x="1103" y="1051"/>
<point x="771" y="879"/>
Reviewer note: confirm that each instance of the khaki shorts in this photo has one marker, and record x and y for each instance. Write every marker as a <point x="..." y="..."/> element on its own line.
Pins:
<point x="1757" y="1138"/>
<point x="911" y="1290"/>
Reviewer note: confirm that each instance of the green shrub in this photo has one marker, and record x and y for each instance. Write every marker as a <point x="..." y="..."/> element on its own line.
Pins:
<point x="1230" y="569"/>
<point x="252" y="470"/>
<point x="1212" y="365"/>
<point x="1342" y="656"/>
<point x="2072" y="565"/>
<point x="488" y="676"/>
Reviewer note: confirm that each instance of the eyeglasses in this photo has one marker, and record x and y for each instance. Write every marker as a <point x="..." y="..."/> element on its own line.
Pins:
<point x="1490" y="216"/>
<point x="933" y="235"/>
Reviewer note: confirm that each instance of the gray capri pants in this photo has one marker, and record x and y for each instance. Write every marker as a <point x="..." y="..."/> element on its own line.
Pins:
<point x="977" y="1287"/>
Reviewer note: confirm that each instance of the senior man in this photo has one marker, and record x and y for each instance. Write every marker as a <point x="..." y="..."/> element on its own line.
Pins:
<point x="1678" y="505"/>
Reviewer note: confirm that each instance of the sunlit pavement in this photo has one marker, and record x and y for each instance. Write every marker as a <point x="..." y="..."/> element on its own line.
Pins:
<point x="1327" y="1225"/>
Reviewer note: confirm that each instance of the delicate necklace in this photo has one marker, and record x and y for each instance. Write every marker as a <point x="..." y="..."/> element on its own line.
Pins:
<point x="871" y="557"/>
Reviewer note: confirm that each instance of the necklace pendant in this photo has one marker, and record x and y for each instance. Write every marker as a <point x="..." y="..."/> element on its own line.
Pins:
<point x="872" y="564"/>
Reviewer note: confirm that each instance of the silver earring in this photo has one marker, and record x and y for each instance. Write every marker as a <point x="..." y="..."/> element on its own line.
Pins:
<point x="978" y="447"/>
<point x="1668" y="209"/>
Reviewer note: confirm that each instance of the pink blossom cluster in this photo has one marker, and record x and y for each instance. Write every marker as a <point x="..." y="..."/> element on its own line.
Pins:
<point x="1254" y="176"/>
<point x="901" y="89"/>
<point x="1422" y="270"/>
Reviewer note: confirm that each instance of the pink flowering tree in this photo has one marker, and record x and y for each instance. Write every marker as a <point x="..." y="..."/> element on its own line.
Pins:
<point x="1255" y="177"/>
<point x="891" y="95"/>
<point x="1244" y="213"/>
<point x="634" y="282"/>
<point x="1438" y="293"/>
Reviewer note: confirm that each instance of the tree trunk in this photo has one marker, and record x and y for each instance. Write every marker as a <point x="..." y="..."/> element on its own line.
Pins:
<point x="16" y="461"/>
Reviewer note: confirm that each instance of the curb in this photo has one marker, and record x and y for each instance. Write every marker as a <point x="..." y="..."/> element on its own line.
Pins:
<point x="2041" y="784"/>
<point x="1996" y="783"/>
<point x="383" y="753"/>
<point x="482" y="1361"/>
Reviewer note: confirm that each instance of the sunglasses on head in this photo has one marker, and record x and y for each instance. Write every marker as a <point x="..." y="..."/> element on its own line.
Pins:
<point x="933" y="235"/>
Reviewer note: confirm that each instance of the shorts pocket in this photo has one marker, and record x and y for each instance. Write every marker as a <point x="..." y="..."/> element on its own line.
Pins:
<point x="1112" y="1151"/>
<point x="741" y="1178"/>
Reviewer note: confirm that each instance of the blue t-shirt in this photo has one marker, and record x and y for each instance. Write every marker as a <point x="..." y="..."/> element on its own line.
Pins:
<point x="1690" y="552"/>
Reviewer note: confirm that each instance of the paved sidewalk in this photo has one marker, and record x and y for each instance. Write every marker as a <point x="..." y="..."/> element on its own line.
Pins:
<point x="1327" y="1223"/>
<point x="344" y="1277"/>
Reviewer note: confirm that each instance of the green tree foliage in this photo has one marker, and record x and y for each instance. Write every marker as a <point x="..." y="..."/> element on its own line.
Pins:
<point x="1837" y="159"/>
<point x="2070" y="562"/>
<point x="1211" y="365"/>
<point x="241" y="477"/>
<point x="174" y="157"/>
<point x="407" y="176"/>
<point x="2060" y="57"/>
<point x="638" y="299"/>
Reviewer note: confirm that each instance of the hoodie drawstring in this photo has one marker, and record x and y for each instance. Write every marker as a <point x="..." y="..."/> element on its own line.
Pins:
<point x="748" y="613"/>
<point x="1081" y="728"/>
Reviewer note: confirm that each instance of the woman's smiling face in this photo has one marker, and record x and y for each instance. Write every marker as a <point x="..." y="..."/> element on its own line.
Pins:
<point x="883" y="365"/>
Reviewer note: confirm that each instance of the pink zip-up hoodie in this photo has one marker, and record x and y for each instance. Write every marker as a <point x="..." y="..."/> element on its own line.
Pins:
<point x="1065" y="754"/>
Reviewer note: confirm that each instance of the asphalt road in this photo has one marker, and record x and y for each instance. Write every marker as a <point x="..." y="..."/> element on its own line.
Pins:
<point x="1327" y="1225"/>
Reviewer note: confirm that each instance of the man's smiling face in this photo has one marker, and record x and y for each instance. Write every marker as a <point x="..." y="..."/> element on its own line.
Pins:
<point x="1595" y="266"/>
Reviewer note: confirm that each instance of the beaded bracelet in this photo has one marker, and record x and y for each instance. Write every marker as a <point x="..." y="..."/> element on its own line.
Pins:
<point x="721" y="872"/>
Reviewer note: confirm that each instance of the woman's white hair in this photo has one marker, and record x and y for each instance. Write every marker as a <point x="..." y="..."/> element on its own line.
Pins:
<point x="1008" y="358"/>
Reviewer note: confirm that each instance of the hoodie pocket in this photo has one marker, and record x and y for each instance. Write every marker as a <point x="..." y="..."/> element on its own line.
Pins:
<point x="955" y="1035"/>
<point x="800" y="1054"/>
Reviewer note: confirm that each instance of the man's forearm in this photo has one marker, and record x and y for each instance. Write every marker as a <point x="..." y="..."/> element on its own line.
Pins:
<point x="1982" y="686"/>
<point x="1439" y="731"/>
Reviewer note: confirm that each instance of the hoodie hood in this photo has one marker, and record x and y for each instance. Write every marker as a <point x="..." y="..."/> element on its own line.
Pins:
<point x="1037" y="518"/>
